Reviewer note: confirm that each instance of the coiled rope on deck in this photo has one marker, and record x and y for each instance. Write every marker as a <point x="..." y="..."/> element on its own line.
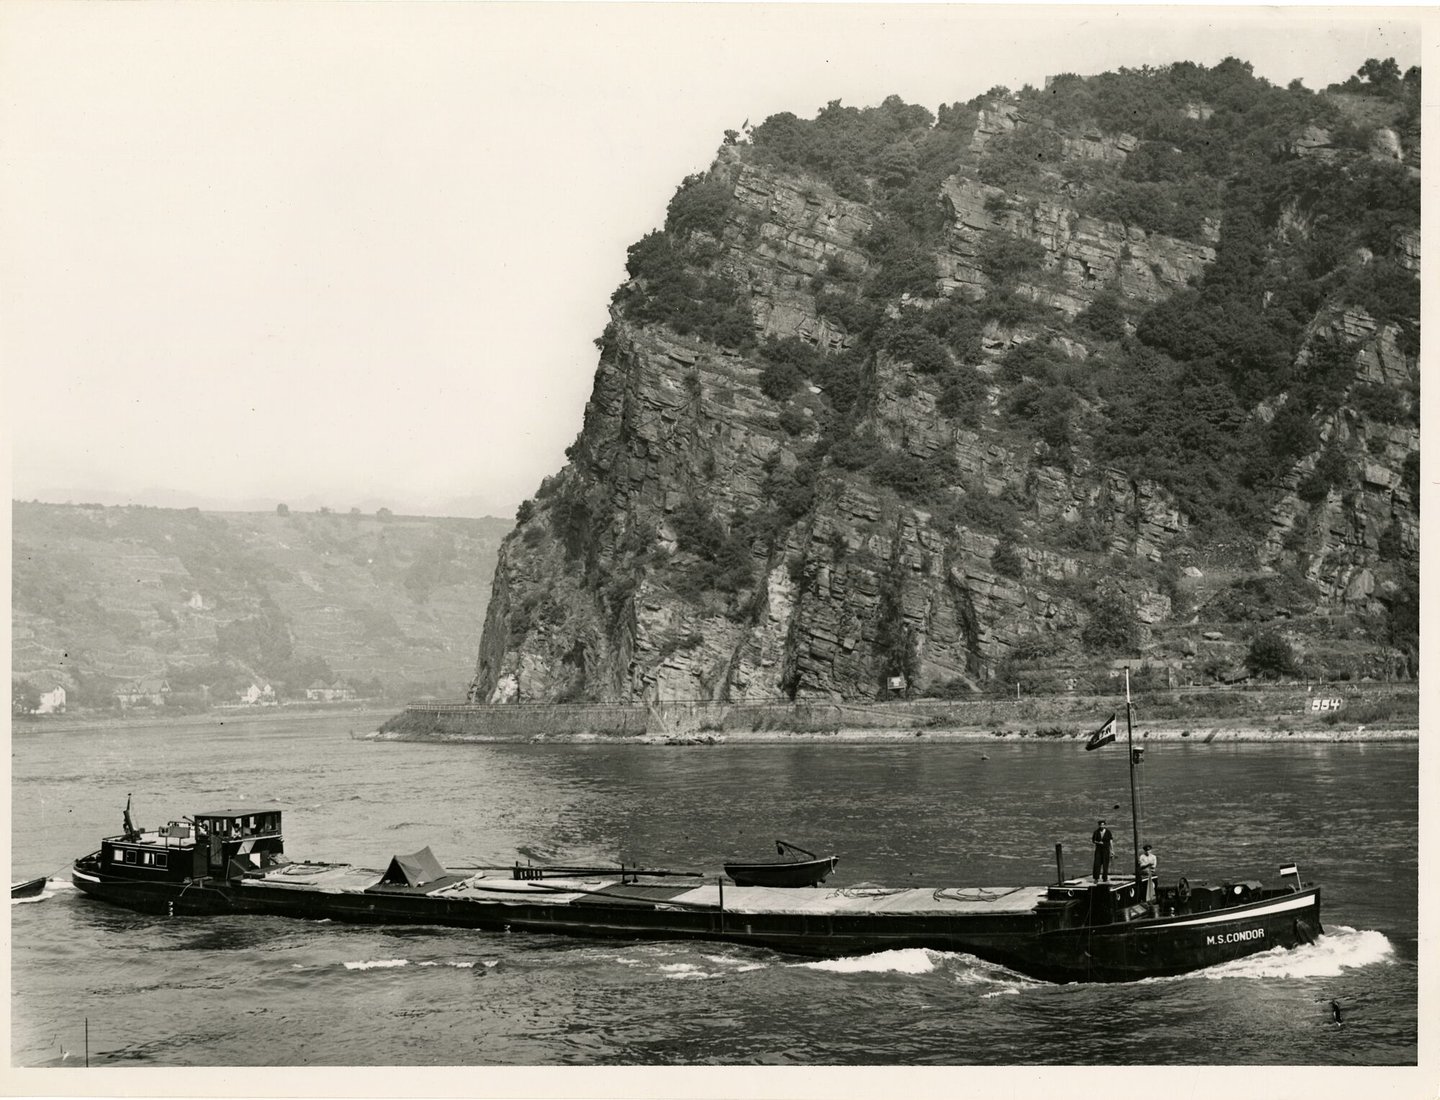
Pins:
<point x="864" y="891"/>
<point x="972" y="893"/>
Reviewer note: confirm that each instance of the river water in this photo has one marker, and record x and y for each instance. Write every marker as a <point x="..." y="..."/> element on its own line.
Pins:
<point x="277" y="992"/>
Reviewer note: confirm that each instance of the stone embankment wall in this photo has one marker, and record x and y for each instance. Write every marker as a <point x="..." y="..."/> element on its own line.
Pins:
<point x="1361" y="704"/>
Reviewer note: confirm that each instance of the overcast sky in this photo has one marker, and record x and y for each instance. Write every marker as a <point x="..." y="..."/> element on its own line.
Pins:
<point x="356" y="255"/>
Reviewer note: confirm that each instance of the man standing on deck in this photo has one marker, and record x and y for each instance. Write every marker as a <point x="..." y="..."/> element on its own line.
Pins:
<point x="1104" y="841"/>
<point x="1149" y="863"/>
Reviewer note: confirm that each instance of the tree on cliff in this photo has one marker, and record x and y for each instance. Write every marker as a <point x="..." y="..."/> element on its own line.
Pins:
<point x="1270" y="656"/>
<point x="1111" y="627"/>
<point x="897" y="650"/>
<point x="24" y="697"/>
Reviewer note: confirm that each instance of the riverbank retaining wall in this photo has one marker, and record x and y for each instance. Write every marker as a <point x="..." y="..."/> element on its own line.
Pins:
<point x="1308" y="704"/>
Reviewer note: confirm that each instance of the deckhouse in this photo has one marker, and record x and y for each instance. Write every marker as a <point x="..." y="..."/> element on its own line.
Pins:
<point x="220" y="843"/>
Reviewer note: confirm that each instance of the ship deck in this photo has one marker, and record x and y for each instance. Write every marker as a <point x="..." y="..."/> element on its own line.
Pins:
<point x="504" y="890"/>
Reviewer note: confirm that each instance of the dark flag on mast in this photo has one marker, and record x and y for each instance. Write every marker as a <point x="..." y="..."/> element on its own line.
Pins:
<point x="1103" y="736"/>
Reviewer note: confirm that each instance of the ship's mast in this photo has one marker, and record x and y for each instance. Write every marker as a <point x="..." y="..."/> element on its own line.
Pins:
<point x="1130" y="752"/>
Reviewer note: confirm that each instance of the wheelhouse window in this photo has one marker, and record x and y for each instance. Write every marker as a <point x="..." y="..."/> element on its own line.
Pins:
<point x="130" y="854"/>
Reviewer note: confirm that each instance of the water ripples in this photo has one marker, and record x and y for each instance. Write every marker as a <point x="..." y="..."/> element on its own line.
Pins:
<point x="270" y="991"/>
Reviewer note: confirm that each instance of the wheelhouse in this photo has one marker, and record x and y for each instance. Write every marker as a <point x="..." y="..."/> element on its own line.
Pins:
<point x="220" y="843"/>
<point x="238" y="841"/>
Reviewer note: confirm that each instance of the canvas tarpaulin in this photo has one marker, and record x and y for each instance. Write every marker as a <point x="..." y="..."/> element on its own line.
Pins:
<point x="413" y="870"/>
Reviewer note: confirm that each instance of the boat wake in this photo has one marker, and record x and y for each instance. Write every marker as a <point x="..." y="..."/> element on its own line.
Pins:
<point x="962" y="968"/>
<point x="53" y="887"/>
<point x="1341" y="948"/>
<point x="394" y="964"/>
<point x="904" y="960"/>
<point x="711" y="966"/>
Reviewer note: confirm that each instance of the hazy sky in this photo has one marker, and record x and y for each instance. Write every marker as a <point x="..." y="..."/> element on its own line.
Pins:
<point x="356" y="254"/>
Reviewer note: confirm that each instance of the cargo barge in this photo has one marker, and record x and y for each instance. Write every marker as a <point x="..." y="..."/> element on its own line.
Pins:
<point x="233" y="862"/>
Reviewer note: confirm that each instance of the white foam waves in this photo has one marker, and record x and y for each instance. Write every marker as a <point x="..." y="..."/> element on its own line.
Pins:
<point x="709" y="967"/>
<point x="903" y="960"/>
<point x="52" y="887"/>
<point x="987" y="979"/>
<point x="1341" y="948"/>
<point x="395" y="964"/>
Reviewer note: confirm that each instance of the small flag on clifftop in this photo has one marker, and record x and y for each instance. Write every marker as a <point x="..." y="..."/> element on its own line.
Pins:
<point x="1103" y="736"/>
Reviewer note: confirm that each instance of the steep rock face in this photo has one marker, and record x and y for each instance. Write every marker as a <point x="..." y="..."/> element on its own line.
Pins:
<point x="801" y="231"/>
<point x="1084" y="255"/>
<point x="1341" y="536"/>
<point x="714" y="537"/>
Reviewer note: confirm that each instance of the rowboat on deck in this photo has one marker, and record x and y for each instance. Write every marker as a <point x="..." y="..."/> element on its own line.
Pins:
<point x="794" y="871"/>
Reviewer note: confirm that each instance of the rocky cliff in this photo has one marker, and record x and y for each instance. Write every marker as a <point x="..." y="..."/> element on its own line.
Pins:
<point x="1115" y="371"/>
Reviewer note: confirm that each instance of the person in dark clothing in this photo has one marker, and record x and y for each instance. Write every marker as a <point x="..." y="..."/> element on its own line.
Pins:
<point x="1104" y="842"/>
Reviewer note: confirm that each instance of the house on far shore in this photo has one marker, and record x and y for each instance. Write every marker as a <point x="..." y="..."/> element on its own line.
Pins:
<point x="258" y="695"/>
<point x="149" y="692"/>
<point x="52" y="701"/>
<point x="320" y="692"/>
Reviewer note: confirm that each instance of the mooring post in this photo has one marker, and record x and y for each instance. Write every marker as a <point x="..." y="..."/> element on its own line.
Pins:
<point x="87" y="1042"/>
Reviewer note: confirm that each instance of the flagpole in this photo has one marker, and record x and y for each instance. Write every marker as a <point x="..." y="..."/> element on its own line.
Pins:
<point x="1130" y="753"/>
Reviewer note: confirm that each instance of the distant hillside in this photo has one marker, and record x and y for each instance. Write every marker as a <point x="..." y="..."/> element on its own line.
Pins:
<point x="103" y="597"/>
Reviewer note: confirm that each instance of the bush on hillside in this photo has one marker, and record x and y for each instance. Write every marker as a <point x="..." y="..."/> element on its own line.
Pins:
<point x="701" y="204"/>
<point x="670" y="287"/>
<point x="1111" y="627"/>
<point x="963" y="396"/>
<point x="1006" y="559"/>
<point x="1104" y="316"/>
<point x="1270" y="657"/>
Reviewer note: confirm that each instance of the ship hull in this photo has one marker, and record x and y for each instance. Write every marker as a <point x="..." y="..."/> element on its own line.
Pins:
<point x="1176" y="945"/>
<point x="1028" y="942"/>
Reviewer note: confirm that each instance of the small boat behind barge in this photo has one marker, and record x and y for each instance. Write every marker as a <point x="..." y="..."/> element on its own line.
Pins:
<point x="31" y="888"/>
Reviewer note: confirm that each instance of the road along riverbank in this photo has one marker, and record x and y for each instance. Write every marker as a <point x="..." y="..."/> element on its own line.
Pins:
<point x="1351" y="712"/>
<point x="1201" y="735"/>
<point x="363" y="716"/>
